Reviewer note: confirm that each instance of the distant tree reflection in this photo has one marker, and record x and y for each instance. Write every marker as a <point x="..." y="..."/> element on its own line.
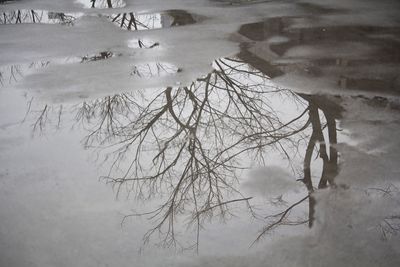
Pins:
<point x="136" y="22"/>
<point x="13" y="73"/>
<point x="36" y="16"/>
<point x="100" y="56"/>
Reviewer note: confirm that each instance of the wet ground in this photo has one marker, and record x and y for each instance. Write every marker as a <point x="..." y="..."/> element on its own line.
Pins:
<point x="199" y="133"/>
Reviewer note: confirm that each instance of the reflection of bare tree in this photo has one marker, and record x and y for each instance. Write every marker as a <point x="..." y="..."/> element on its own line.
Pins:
<point x="43" y="117"/>
<point x="100" y="56"/>
<point x="131" y="22"/>
<point x="326" y="151"/>
<point x="106" y="3"/>
<point x="390" y="225"/>
<point x="325" y="145"/>
<point x="135" y="22"/>
<point x="157" y="69"/>
<point x="189" y="144"/>
<point x="12" y="73"/>
<point x="192" y="141"/>
<point x="36" y="16"/>
<point x="330" y="162"/>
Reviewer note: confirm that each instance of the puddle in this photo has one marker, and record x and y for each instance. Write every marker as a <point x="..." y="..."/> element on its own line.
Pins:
<point x="137" y="22"/>
<point x="153" y="69"/>
<point x="142" y="43"/>
<point x="7" y="1"/>
<point x="25" y="16"/>
<point x="102" y="3"/>
<point x="232" y="119"/>
<point x="239" y="2"/>
<point x="14" y="73"/>
<point x="100" y="56"/>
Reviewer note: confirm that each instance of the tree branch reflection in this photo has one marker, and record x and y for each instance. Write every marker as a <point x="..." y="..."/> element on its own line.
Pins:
<point x="192" y="142"/>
